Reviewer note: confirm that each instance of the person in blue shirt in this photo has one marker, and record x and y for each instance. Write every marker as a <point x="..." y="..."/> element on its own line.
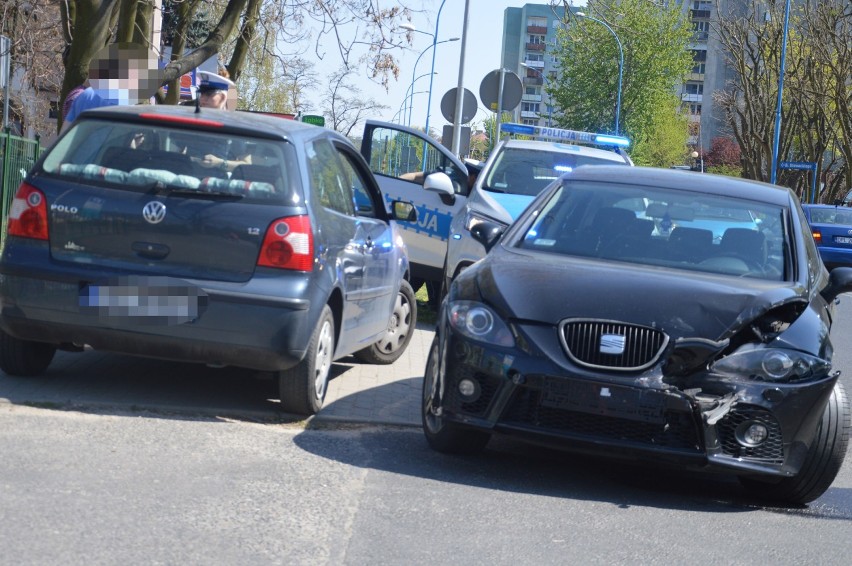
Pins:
<point x="121" y="73"/>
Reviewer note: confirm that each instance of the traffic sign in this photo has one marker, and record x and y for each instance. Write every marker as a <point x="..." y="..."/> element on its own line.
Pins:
<point x="448" y="105"/>
<point x="313" y="119"/>
<point x="803" y="165"/>
<point x="513" y="90"/>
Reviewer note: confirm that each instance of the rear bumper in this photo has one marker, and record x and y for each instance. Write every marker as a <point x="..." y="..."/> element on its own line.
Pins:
<point x="836" y="257"/>
<point x="243" y="324"/>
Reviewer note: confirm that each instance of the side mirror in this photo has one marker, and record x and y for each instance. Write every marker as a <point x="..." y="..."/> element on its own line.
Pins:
<point x="404" y="211"/>
<point x="839" y="281"/>
<point x="441" y="184"/>
<point x="488" y="234"/>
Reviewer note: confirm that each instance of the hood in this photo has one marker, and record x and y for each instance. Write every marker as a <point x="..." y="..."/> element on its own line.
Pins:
<point x="682" y="304"/>
<point x="503" y="207"/>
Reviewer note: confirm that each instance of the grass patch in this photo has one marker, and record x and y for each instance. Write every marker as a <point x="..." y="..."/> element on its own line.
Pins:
<point x="425" y="313"/>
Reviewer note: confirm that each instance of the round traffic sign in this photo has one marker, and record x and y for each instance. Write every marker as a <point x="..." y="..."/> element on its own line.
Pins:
<point x="513" y="89"/>
<point x="448" y="105"/>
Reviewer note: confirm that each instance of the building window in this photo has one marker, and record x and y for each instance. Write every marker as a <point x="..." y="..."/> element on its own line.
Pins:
<point x="535" y="38"/>
<point x="695" y="109"/>
<point x="530" y="122"/>
<point x="699" y="68"/>
<point x="532" y="90"/>
<point x="694" y="88"/>
<point x="535" y="57"/>
<point x="699" y="54"/>
<point x="530" y="106"/>
<point x="535" y="22"/>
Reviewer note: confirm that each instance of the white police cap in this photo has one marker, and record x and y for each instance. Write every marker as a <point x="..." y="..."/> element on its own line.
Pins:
<point x="212" y="81"/>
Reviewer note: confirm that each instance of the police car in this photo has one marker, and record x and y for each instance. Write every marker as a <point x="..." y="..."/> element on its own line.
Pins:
<point x="412" y="167"/>
<point x="516" y="171"/>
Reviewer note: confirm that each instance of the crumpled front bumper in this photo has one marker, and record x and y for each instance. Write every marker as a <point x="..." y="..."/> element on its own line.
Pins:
<point x="638" y="416"/>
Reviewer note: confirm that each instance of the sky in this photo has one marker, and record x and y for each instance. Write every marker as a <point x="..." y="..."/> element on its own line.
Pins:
<point x="482" y="55"/>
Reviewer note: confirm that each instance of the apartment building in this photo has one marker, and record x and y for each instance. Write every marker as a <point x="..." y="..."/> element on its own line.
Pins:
<point x="529" y="36"/>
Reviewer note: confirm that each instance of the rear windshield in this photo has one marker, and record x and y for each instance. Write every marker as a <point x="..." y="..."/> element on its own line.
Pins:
<point x="523" y="171"/>
<point x="142" y="158"/>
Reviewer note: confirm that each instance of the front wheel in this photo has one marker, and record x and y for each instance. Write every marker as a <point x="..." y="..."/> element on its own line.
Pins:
<point x="443" y="436"/>
<point x="23" y="357"/>
<point x="302" y="388"/>
<point x="823" y="461"/>
<point x="400" y="329"/>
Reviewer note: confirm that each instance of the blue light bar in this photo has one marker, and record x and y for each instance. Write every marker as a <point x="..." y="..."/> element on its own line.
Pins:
<point x="563" y="168"/>
<point x="564" y="135"/>
<point x="603" y="139"/>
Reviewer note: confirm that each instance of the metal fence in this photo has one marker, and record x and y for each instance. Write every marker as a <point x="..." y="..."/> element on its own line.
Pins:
<point x="17" y="156"/>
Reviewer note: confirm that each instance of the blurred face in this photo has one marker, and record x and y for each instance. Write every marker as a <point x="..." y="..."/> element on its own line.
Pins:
<point x="128" y="74"/>
<point x="213" y="99"/>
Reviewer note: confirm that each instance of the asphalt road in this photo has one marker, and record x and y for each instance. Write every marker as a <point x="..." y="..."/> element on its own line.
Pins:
<point x="139" y="479"/>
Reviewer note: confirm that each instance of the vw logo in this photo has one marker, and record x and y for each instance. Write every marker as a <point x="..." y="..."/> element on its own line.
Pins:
<point x="154" y="212"/>
<point x="612" y="344"/>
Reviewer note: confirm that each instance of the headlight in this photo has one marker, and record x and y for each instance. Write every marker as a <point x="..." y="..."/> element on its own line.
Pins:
<point x="771" y="364"/>
<point x="477" y="321"/>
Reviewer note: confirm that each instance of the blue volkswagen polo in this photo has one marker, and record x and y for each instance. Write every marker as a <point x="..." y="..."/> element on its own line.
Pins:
<point x="205" y="236"/>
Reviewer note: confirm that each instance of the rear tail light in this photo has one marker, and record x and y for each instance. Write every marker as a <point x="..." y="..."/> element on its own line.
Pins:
<point x="288" y="244"/>
<point x="817" y="237"/>
<point x="28" y="214"/>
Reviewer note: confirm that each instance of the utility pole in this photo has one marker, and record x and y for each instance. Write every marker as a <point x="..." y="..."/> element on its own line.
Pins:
<point x="460" y="90"/>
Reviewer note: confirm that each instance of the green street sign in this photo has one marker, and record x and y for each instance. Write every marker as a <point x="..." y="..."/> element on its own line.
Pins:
<point x="313" y="119"/>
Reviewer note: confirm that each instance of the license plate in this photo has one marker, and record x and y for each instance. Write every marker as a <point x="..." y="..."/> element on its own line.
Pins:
<point x="158" y="300"/>
<point x="601" y="399"/>
<point x="843" y="240"/>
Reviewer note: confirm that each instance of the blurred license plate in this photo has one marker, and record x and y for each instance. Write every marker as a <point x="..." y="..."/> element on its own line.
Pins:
<point x="843" y="239"/>
<point x="159" y="300"/>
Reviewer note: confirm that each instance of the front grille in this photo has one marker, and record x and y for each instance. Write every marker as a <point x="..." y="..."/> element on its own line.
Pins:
<point x="770" y="452"/>
<point x="624" y="347"/>
<point x="678" y="432"/>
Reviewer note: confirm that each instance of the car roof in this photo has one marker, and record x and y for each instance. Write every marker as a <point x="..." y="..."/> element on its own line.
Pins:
<point x="685" y="180"/>
<point x="247" y="123"/>
<point x="561" y="147"/>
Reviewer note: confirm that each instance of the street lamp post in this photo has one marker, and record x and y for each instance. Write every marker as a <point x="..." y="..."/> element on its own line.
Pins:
<point x="411" y="28"/>
<point x="410" y="89"/>
<point x="434" y="37"/>
<point x="620" y="65"/>
<point x="549" y="106"/>
<point x="773" y="175"/>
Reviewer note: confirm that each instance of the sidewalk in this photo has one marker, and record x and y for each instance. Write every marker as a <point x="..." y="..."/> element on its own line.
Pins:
<point x="357" y="393"/>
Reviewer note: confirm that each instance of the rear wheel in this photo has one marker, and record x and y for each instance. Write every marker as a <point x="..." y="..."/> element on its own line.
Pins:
<point x="400" y="329"/>
<point x="822" y="462"/>
<point x="443" y="436"/>
<point x="302" y="388"/>
<point x="23" y="357"/>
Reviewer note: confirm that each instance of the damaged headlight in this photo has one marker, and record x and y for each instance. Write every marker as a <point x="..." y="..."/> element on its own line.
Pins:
<point x="771" y="364"/>
<point x="477" y="321"/>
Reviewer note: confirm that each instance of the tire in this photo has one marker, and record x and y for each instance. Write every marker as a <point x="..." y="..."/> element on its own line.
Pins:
<point x="302" y="388"/>
<point x="442" y="436"/>
<point x="23" y="357"/>
<point x="400" y="329"/>
<point x="822" y="462"/>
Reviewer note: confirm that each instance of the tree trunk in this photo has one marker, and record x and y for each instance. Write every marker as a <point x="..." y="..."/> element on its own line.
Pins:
<point x="247" y="34"/>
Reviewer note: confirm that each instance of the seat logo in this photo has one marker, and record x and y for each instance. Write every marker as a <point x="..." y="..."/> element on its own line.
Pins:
<point x="612" y="344"/>
<point x="154" y="212"/>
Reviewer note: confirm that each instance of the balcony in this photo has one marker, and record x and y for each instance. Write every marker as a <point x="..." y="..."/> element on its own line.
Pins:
<point x="535" y="46"/>
<point x="534" y="64"/>
<point x="533" y="81"/>
<point x="700" y="36"/>
<point x="538" y="30"/>
<point x="686" y="97"/>
<point x="700" y="14"/>
<point x="531" y="98"/>
<point x="528" y="114"/>
<point x="695" y="77"/>
<point x="694" y="118"/>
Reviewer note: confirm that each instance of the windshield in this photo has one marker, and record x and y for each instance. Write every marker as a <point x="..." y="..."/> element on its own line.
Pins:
<point x="662" y="227"/>
<point x="524" y="171"/>
<point x="142" y="158"/>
